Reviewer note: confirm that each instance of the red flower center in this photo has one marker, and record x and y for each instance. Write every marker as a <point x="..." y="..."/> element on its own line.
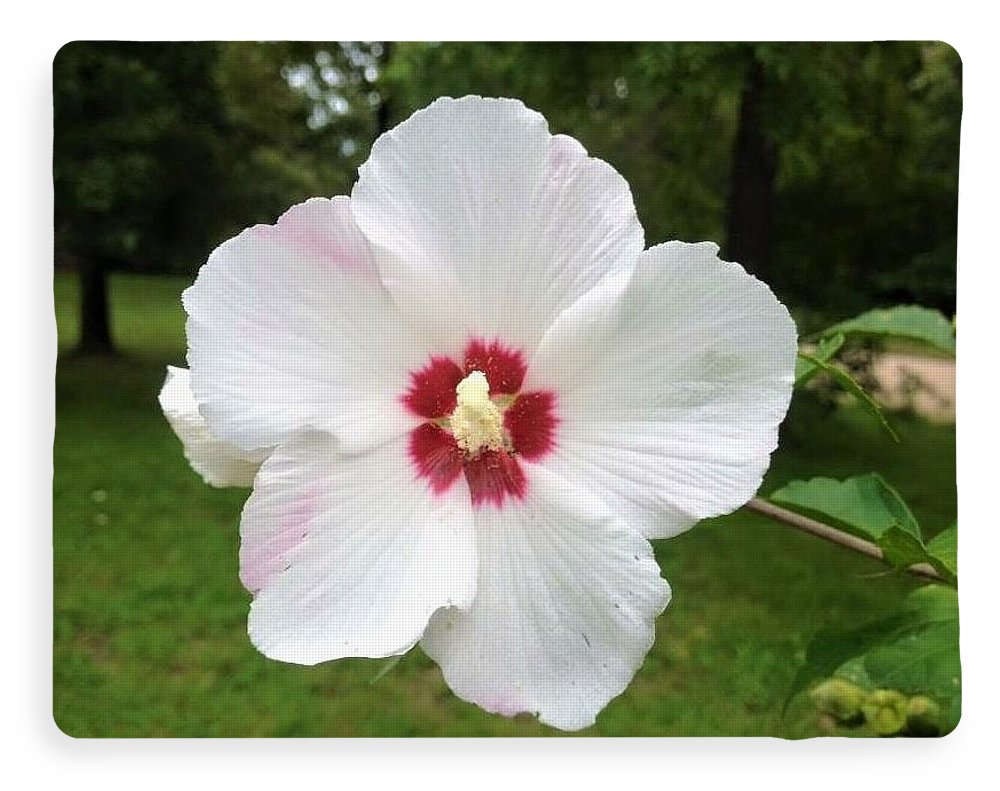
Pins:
<point x="529" y="420"/>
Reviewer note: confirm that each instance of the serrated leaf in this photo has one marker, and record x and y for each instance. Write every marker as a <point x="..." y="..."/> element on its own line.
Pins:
<point x="912" y="322"/>
<point x="805" y="369"/>
<point x="848" y="382"/>
<point x="865" y="505"/>
<point x="868" y="507"/>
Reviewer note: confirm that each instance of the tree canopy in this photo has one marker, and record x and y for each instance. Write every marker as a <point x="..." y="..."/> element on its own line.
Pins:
<point x="818" y="165"/>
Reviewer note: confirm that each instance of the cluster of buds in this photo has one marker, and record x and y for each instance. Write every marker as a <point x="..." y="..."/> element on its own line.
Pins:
<point x="887" y="712"/>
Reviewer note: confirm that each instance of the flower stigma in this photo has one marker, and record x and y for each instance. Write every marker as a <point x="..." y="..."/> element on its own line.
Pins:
<point x="477" y="422"/>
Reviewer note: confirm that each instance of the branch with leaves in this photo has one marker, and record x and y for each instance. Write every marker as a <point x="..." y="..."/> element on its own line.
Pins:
<point x="832" y="534"/>
<point x="900" y="675"/>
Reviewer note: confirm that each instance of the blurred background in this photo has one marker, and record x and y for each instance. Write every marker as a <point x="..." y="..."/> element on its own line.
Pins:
<point x="829" y="170"/>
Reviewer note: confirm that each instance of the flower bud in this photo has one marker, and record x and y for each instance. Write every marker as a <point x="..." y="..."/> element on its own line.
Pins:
<point x="839" y="698"/>
<point x="885" y="711"/>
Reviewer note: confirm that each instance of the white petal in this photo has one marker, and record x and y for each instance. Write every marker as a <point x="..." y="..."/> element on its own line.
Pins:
<point x="671" y="387"/>
<point x="485" y="224"/>
<point x="348" y="554"/>
<point x="218" y="462"/>
<point x="290" y="328"/>
<point x="565" y="612"/>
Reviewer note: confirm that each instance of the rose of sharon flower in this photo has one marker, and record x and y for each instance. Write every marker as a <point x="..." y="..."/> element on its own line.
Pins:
<point x="480" y="398"/>
<point x="217" y="462"/>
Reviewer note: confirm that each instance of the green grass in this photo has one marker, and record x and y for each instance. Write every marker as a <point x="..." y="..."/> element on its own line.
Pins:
<point x="150" y="617"/>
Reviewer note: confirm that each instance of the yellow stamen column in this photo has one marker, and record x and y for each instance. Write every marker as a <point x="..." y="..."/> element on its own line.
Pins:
<point x="477" y="422"/>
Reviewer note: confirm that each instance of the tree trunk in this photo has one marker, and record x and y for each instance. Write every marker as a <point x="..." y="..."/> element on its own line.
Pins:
<point x="751" y="198"/>
<point x="95" y="326"/>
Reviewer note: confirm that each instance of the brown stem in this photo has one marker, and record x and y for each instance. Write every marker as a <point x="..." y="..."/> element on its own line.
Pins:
<point x="821" y="530"/>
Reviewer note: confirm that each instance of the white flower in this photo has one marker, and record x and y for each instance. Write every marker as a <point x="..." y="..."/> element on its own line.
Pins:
<point x="218" y="462"/>
<point x="483" y="399"/>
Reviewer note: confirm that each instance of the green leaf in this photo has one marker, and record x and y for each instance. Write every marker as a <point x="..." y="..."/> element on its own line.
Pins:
<point x="867" y="507"/>
<point x="942" y="551"/>
<point x="830" y="650"/>
<point x="914" y="652"/>
<point x="806" y="370"/>
<point x="921" y="655"/>
<point x="912" y="322"/>
<point x="864" y="506"/>
<point x="846" y="381"/>
<point x="902" y="549"/>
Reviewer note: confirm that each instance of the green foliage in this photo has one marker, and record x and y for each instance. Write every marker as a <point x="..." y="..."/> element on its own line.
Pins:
<point x="943" y="551"/>
<point x="882" y="127"/>
<point x="921" y="656"/>
<point x="867" y="507"/>
<point x="909" y="322"/>
<point x="164" y="149"/>
<point x="848" y="383"/>
<point x="806" y="369"/>
<point x="150" y="618"/>
<point x="127" y="125"/>
<point x="912" y="653"/>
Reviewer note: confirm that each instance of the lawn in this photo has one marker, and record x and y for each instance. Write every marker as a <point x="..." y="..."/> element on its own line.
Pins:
<point x="150" y="617"/>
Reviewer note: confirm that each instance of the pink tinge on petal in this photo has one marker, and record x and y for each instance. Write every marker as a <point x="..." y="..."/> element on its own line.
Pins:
<point x="260" y="561"/>
<point x="493" y="475"/>
<point x="506" y="704"/>
<point x="324" y="230"/>
<point x="564" y="154"/>
<point x="436" y="456"/>
<point x="504" y="367"/>
<point x="531" y="421"/>
<point x="432" y="389"/>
